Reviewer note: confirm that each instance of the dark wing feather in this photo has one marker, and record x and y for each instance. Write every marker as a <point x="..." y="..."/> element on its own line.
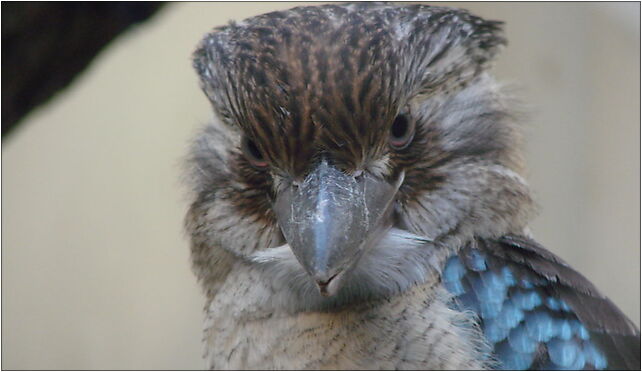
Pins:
<point x="536" y="311"/>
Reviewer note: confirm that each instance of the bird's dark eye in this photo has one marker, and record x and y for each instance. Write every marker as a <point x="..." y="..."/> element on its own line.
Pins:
<point x="401" y="132"/>
<point x="252" y="153"/>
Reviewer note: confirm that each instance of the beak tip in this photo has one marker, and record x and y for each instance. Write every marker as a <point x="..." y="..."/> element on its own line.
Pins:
<point x="323" y="290"/>
<point x="328" y="286"/>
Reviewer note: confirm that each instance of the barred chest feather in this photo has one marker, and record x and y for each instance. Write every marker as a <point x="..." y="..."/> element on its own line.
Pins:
<point x="413" y="330"/>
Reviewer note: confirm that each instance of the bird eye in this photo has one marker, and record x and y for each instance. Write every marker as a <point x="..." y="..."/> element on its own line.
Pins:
<point x="401" y="132"/>
<point x="252" y="153"/>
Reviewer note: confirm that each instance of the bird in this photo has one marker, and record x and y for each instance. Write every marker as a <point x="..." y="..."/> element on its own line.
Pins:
<point x="357" y="202"/>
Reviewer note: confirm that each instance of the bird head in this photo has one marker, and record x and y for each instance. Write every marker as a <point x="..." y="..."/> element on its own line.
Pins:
<point x="344" y="123"/>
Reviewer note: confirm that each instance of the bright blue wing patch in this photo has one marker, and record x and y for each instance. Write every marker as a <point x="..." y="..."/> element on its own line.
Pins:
<point x="527" y="327"/>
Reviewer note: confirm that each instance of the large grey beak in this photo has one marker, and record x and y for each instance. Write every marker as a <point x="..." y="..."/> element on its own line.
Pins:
<point x="331" y="218"/>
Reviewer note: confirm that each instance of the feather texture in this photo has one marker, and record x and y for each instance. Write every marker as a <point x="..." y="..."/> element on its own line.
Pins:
<point x="447" y="282"/>
<point x="536" y="311"/>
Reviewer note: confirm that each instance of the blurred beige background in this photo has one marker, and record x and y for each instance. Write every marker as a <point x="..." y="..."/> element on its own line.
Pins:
<point x="95" y="270"/>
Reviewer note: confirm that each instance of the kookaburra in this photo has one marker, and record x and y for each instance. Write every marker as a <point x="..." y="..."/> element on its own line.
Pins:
<point x="358" y="203"/>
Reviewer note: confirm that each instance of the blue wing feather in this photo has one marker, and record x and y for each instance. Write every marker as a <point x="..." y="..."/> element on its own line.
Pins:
<point x="532" y="308"/>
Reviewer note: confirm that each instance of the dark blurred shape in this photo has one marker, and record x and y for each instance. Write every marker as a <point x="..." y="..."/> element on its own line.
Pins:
<point x="45" y="45"/>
